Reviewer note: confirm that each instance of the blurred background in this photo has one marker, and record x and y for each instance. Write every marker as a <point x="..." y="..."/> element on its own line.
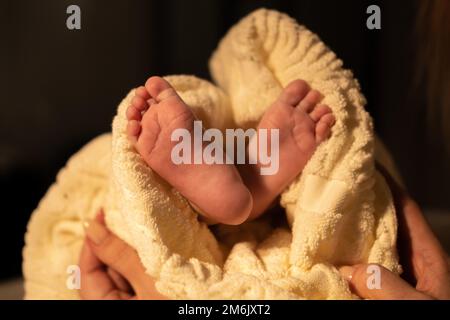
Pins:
<point x="62" y="87"/>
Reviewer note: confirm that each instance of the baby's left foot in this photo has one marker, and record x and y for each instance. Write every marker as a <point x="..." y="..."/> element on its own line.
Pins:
<point x="216" y="190"/>
<point x="303" y="124"/>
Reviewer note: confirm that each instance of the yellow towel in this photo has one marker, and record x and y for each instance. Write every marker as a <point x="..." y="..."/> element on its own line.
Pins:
<point x="339" y="209"/>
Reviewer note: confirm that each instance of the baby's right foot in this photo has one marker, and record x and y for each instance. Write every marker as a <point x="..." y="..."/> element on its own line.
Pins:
<point x="216" y="190"/>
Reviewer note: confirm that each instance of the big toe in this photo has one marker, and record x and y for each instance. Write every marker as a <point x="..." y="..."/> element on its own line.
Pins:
<point x="294" y="93"/>
<point x="160" y="89"/>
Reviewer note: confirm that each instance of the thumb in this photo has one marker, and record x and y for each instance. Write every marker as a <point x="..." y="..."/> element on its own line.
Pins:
<point x="118" y="255"/>
<point x="111" y="250"/>
<point x="372" y="281"/>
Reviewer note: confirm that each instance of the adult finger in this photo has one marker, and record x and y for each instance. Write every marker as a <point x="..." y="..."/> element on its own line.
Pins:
<point x="421" y="253"/>
<point x="119" y="281"/>
<point x="95" y="282"/>
<point x="371" y="281"/>
<point x="409" y="213"/>
<point x="119" y="256"/>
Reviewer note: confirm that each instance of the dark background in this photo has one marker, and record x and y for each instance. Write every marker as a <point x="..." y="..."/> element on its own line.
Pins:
<point x="62" y="87"/>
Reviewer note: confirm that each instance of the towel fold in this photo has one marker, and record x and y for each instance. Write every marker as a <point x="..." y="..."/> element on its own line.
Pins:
<point x="339" y="211"/>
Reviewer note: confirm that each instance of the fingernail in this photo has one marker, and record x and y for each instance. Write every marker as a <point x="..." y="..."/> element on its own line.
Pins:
<point x="100" y="217"/>
<point x="347" y="272"/>
<point x="85" y="225"/>
<point x="96" y="232"/>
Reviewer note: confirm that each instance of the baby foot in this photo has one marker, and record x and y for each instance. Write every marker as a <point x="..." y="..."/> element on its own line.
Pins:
<point x="303" y="124"/>
<point x="216" y="190"/>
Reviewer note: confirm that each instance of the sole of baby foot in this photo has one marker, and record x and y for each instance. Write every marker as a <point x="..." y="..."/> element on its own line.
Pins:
<point x="303" y="123"/>
<point x="155" y="113"/>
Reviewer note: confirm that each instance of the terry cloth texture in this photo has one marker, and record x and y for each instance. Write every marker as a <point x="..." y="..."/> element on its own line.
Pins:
<point x="339" y="211"/>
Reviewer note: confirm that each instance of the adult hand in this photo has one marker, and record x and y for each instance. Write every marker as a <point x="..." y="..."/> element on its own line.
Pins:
<point x="111" y="269"/>
<point x="426" y="264"/>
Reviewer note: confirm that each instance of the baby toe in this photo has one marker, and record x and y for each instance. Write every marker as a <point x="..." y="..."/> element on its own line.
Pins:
<point x="160" y="89"/>
<point x="309" y="102"/>
<point x="143" y="93"/>
<point x="133" y="113"/>
<point x="139" y="103"/>
<point x="133" y="130"/>
<point x="294" y="92"/>
<point x="319" y="111"/>
<point x="323" y="127"/>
